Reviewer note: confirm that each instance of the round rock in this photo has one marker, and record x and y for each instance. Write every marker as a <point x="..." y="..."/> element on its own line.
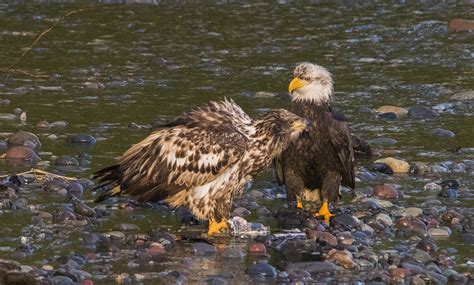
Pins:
<point x="23" y="139"/>
<point x="82" y="139"/>
<point x="262" y="269"/>
<point x="392" y="109"/>
<point x="395" y="164"/>
<point x="443" y="133"/>
<point x="385" y="192"/>
<point x="22" y="153"/>
<point x="421" y="112"/>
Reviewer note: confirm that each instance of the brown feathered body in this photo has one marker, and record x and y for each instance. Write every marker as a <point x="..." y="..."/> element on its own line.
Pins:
<point x="314" y="167"/>
<point x="201" y="159"/>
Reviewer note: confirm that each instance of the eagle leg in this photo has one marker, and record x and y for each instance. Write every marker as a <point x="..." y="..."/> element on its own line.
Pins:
<point x="299" y="203"/>
<point x="217" y="228"/>
<point x="324" y="212"/>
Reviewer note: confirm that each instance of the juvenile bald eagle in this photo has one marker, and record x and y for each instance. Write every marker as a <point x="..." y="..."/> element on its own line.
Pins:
<point x="314" y="166"/>
<point x="201" y="159"/>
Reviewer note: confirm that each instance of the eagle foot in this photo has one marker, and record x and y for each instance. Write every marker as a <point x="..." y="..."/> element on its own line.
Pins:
<point x="324" y="212"/>
<point x="299" y="203"/>
<point x="217" y="228"/>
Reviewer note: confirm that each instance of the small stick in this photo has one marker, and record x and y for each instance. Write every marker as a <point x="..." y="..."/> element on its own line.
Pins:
<point x="10" y="69"/>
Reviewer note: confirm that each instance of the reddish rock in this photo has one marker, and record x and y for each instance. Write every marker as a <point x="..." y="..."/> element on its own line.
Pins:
<point x="343" y="258"/>
<point x="410" y="222"/>
<point x="87" y="282"/>
<point x="385" y="192"/>
<point x="399" y="273"/>
<point x="461" y="25"/>
<point x="156" y="249"/>
<point x="321" y="236"/>
<point x="43" y="125"/>
<point x="21" y="153"/>
<point x="257" y="249"/>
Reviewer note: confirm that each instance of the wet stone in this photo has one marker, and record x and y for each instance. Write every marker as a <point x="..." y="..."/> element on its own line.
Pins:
<point x="126" y="227"/>
<point x="462" y="25"/>
<point x="410" y="222"/>
<point x="82" y="139"/>
<point x="389" y="116"/>
<point x="114" y="234"/>
<point x="43" y="125"/>
<point x="432" y="187"/>
<point x="418" y="168"/>
<point x="443" y="133"/>
<point x="413" y="211"/>
<point x="62" y="280"/>
<point x="23" y="139"/>
<point x="392" y="109"/>
<point x="451" y="184"/>
<point x="204" y="249"/>
<point x="427" y="245"/>
<point x="7" y="117"/>
<point x="384" y="218"/>
<point x="232" y="252"/>
<point x="344" y="221"/>
<point x="421" y="113"/>
<point x="75" y="189"/>
<point x="321" y="236"/>
<point x="449" y="193"/>
<point x="385" y="192"/>
<point x="395" y="164"/>
<point x="65" y="160"/>
<point x="262" y="269"/>
<point x="257" y="249"/>
<point x="83" y="209"/>
<point x="381" y="167"/>
<point x="58" y="124"/>
<point x="382" y="141"/>
<point x="315" y="267"/>
<point x="156" y="249"/>
<point x="400" y="273"/>
<point x="241" y="212"/>
<point x="343" y="258"/>
<point x="439" y="232"/>
<point x="421" y="256"/>
<point x="21" y="153"/>
<point x="54" y="185"/>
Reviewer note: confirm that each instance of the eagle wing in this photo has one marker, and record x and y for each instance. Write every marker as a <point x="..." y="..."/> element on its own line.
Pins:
<point x="341" y="141"/>
<point x="191" y="151"/>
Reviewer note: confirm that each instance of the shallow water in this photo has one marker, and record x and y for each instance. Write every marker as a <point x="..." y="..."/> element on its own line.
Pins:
<point x="396" y="54"/>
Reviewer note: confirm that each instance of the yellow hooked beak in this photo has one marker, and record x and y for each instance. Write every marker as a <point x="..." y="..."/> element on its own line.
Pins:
<point x="296" y="83"/>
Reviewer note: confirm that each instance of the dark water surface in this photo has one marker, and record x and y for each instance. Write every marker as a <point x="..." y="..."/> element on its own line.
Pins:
<point x="157" y="61"/>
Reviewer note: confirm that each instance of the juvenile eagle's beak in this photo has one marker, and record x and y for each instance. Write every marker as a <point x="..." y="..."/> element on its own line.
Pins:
<point x="296" y="83"/>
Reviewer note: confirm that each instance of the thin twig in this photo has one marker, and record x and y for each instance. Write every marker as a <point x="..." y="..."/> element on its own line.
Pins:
<point x="39" y="172"/>
<point x="10" y="69"/>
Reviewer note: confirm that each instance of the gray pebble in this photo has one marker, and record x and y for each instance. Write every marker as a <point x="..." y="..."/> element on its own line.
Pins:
<point x="442" y="133"/>
<point x="421" y="112"/>
<point x="262" y="269"/>
<point x="204" y="249"/>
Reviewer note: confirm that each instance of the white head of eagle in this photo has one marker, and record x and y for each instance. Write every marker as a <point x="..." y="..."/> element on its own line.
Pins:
<point x="312" y="83"/>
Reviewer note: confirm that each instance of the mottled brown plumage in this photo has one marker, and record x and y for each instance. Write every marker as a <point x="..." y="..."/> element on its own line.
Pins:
<point x="201" y="159"/>
<point x="314" y="166"/>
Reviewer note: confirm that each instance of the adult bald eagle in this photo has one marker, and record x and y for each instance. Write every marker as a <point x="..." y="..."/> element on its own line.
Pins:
<point x="201" y="159"/>
<point x="314" y="166"/>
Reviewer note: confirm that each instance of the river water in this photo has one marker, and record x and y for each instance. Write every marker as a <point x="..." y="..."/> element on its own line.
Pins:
<point x="153" y="61"/>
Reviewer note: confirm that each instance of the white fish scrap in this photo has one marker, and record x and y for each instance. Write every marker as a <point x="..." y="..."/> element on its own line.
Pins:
<point x="240" y="227"/>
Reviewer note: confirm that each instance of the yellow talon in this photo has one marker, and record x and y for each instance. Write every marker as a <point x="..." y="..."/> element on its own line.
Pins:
<point x="299" y="204"/>
<point x="215" y="227"/>
<point x="324" y="211"/>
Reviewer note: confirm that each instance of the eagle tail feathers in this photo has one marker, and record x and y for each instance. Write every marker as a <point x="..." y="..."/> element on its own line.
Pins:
<point x="108" y="182"/>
